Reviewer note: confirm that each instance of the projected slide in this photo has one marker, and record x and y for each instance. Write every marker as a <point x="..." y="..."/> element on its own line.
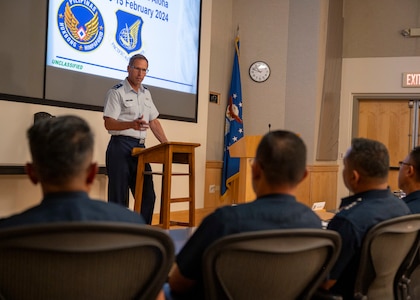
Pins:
<point x="98" y="37"/>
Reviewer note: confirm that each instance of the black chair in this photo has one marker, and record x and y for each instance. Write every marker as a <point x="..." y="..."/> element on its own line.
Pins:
<point x="385" y="247"/>
<point x="407" y="281"/>
<point x="90" y="260"/>
<point x="270" y="264"/>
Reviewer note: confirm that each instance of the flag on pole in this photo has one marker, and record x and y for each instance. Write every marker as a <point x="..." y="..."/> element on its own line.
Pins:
<point x="234" y="129"/>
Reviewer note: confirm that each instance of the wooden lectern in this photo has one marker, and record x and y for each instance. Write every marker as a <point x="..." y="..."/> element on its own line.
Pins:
<point x="167" y="154"/>
<point x="245" y="149"/>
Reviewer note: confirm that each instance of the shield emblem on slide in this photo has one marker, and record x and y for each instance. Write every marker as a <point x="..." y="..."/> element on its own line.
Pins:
<point x="128" y="34"/>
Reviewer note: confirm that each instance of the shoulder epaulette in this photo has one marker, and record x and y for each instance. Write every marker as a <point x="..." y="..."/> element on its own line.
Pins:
<point x="117" y="86"/>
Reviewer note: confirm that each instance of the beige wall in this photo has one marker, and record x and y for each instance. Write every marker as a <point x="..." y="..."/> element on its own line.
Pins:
<point x="370" y="76"/>
<point x="221" y="59"/>
<point x="290" y="37"/>
<point x="372" y="28"/>
<point x="375" y="56"/>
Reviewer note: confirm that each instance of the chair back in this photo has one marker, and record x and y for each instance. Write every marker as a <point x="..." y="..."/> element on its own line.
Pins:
<point x="384" y="249"/>
<point x="88" y="260"/>
<point x="407" y="281"/>
<point x="270" y="264"/>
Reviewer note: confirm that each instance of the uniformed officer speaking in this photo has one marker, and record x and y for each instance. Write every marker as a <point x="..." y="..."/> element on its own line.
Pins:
<point x="128" y="112"/>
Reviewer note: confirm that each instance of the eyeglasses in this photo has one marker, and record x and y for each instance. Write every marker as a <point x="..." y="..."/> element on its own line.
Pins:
<point x="404" y="163"/>
<point x="141" y="70"/>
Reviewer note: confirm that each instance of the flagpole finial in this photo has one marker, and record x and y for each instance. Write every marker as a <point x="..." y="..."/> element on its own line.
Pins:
<point x="237" y="30"/>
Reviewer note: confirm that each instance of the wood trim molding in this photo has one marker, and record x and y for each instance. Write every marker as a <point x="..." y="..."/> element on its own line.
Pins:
<point x="20" y="170"/>
<point x="319" y="186"/>
<point x="214" y="164"/>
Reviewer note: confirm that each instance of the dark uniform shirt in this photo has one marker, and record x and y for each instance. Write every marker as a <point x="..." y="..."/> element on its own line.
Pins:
<point x="358" y="213"/>
<point x="413" y="201"/>
<point x="72" y="206"/>
<point x="277" y="211"/>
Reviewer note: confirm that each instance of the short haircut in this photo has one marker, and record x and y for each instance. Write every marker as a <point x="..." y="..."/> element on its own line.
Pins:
<point x="282" y="156"/>
<point x="135" y="57"/>
<point x="415" y="161"/>
<point x="369" y="157"/>
<point x="61" y="147"/>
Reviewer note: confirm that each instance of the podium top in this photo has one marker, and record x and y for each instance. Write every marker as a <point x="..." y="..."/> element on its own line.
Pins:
<point x="178" y="146"/>
<point x="245" y="147"/>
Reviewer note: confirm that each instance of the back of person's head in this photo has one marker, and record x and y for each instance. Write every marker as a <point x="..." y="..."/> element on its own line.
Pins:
<point x="369" y="158"/>
<point x="61" y="148"/>
<point x="282" y="157"/>
<point x="415" y="161"/>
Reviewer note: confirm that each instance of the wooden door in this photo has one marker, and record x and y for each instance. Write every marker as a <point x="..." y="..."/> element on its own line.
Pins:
<point x="390" y="122"/>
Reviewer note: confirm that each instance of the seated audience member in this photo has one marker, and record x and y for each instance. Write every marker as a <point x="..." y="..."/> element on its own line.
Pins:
<point x="62" y="151"/>
<point x="409" y="180"/>
<point x="365" y="174"/>
<point x="278" y="168"/>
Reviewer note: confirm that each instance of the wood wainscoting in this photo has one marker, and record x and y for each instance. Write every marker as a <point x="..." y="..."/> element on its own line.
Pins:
<point x="319" y="186"/>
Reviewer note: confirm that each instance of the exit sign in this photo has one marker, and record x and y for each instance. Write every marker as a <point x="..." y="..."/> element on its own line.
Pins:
<point x="411" y="80"/>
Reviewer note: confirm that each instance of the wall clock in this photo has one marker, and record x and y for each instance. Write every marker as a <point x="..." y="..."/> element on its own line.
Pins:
<point x="259" y="71"/>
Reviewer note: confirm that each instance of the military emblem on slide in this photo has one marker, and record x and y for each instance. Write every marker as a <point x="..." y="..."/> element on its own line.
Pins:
<point x="81" y="26"/>
<point x="128" y="34"/>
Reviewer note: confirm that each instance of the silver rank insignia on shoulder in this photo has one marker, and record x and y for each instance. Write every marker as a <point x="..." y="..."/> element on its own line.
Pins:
<point x="117" y="86"/>
<point x="354" y="203"/>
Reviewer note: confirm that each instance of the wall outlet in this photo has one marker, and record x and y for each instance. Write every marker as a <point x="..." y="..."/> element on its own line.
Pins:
<point x="212" y="188"/>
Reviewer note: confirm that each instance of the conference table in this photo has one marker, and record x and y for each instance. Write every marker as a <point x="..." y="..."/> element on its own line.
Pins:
<point x="325" y="216"/>
<point x="180" y="236"/>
